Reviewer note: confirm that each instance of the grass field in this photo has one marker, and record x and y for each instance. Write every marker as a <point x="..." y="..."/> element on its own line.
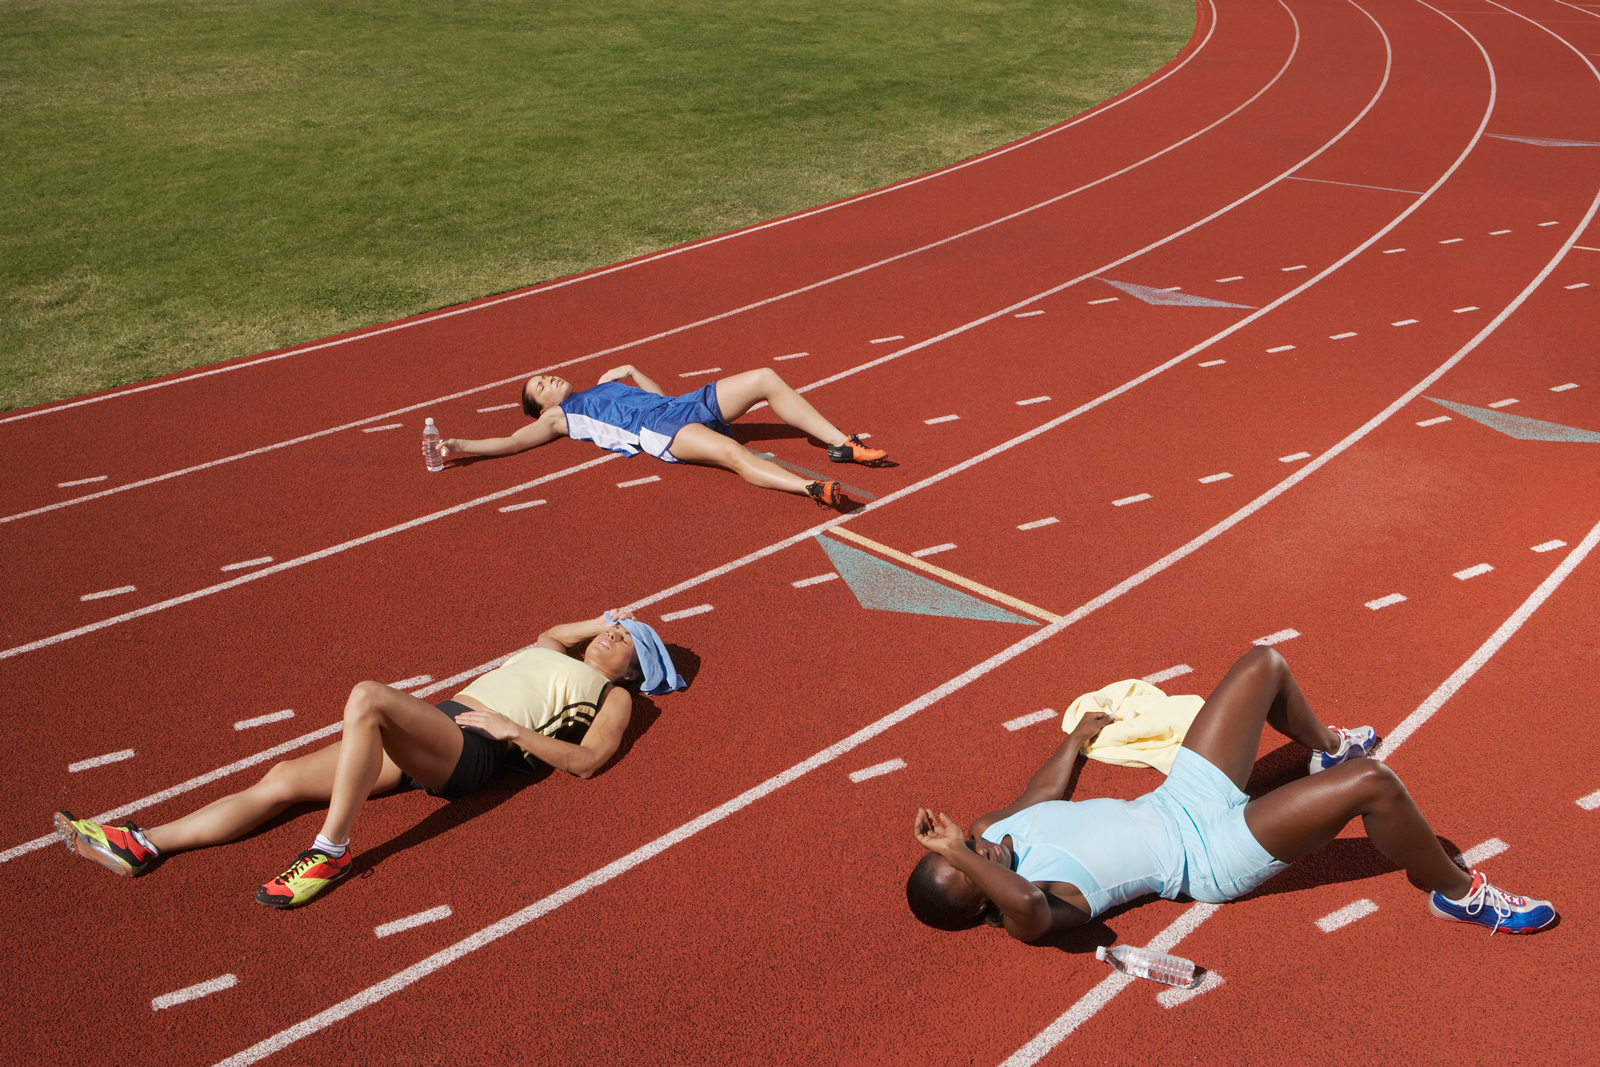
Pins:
<point x="183" y="182"/>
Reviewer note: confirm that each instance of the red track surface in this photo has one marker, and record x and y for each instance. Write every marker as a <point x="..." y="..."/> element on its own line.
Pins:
<point x="775" y="929"/>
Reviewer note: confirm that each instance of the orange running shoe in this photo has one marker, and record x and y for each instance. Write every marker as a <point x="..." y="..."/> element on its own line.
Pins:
<point x="312" y="872"/>
<point x="112" y="847"/>
<point x="853" y="451"/>
<point x="828" y="494"/>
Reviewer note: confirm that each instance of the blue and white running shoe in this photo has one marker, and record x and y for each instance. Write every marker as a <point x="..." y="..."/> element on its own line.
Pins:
<point x="1494" y="908"/>
<point x="1358" y="742"/>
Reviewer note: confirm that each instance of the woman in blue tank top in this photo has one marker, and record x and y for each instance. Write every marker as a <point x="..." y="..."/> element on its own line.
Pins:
<point x="1045" y="864"/>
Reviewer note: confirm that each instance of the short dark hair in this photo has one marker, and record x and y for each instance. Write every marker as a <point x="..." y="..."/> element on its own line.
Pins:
<point x="529" y="407"/>
<point x="929" y="903"/>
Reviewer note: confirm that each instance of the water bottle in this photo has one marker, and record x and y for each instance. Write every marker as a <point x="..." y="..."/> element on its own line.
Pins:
<point x="1144" y="963"/>
<point x="430" y="447"/>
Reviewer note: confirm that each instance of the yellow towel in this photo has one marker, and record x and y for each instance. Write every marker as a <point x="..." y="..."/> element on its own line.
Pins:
<point x="1149" y="728"/>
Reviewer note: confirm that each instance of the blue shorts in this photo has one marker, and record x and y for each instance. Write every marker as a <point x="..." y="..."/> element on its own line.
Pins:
<point x="686" y="410"/>
<point x="1222" y="859"/>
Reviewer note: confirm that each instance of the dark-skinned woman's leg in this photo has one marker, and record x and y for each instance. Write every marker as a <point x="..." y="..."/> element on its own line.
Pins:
<point x="1257" y="690"/>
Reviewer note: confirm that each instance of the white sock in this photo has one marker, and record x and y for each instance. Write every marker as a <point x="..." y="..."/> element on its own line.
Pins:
<point x="333" y="850"/>
<point x="138" y="835"/>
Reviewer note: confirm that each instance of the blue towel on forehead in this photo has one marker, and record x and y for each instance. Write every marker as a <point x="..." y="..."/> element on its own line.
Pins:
<point x="660" y="676"/>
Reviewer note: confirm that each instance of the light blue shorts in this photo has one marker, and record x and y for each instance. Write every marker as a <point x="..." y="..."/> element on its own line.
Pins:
<point x="1222" y="859"/>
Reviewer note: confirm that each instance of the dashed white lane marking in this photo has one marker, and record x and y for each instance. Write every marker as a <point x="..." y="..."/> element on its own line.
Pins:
<point x="791" y="355"/>
<point x="1208" y="479"/>
<point x="697" y="373"/>
<point x="886" y="340"/>
<point x="1563" y="388"/>
<point x="818" y="580"/>
<point x="1171" y="998"/>
<point x="1286" y="270"/>
<point x="1341" y="336"/>
<point x="1172" y="289"/>
<point x="1436" y="420"/>
<point x="1105" y="300"/>
<point x="941" y="418"/>
<point x="1386" y="601"/>
<point x="674" y="616"/>
<point x="412" y="683"/>
<point x="1590" y="802"/>
<point x="525" y="504"/>
<point x="1469" y="307"/>
<point x="82" y="481"/>
<point x="380" y="429"/>
<point x="1488" y="850"/>
<point x="1392" y="251"/>
<point x="1032" y="400"/>
<point x="1507" y="402"/>
<point x="1130" y="500"/>
<point x="194" y="992"/>
<point x="1277" y="638"/>
<point x="863" y="436"/>
<point x="1405" y="322"/>
<point x="1213" y="363"/>
<point x="1543" y="224"/>
<point x="1452" y="240"/>
<point x="246" y="564"/>
<point x="421" y="918"/>
<point x="1296" y="456"/>
<point x="1549" y="546"/>
<point x="639" y="481"/>
<point x="1473" y="572"/>
<point x="1033" y="718"/>
<point x="1280" y="348"/>
<point x="118" y="591"/>
<point x="1235" y="278"/>
<point x="1039" y="523"/>
<point x="934" y="550"/>
<point x="1346" y="915"/>
<point x="1026" y="314"/>
<point x="497" y="407"/>
<point x="1577" y="285"/>
<point x="887" y="767"/>
<point x="100" y="761"/>
<point x="263" y="720"/>
<point x="1170" y="673"/>
<point x="1497" y="233"/>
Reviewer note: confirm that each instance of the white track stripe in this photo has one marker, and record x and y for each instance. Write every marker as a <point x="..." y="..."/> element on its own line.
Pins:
<point x="100" y="761"/>
<point x="1346" y="915"/>
<point x="1171" y="998"/>
<point x="421" y="918"/>
<point x="877" y="770"/>
<point x="262" y="720"/>
<point x="1033" y="718"/>
<point x="194" y="992"/>
<point x="1170" y="673"/>
<point x="1488" y="850"/>
<point x="1590" y="802"/>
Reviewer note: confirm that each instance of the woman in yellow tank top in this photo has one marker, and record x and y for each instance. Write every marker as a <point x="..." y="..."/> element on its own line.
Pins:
<point x="561" y="702"/>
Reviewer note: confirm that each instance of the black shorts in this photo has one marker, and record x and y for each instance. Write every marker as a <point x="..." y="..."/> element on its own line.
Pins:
<point x="480" y="758"/>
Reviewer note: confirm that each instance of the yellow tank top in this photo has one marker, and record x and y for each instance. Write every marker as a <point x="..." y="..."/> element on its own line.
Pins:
<point x="545" y="691"/>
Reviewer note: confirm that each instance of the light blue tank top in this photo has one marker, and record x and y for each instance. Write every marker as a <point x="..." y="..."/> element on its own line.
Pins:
<point x="1112" y="850"/>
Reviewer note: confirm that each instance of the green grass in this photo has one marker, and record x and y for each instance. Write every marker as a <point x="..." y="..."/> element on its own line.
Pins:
<point x="182" y="182"/>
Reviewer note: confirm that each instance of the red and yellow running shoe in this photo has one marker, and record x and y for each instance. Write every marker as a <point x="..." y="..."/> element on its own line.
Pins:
<point x="310" y="874"/>
<point x="853" y="451"/>
<point x="112" y="847"/>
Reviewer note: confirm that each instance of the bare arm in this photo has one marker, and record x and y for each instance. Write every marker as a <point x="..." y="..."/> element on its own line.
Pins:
<point x="1027" y="911"/>
<point x="562" y="638"/>
<point x="1050" y="781"/>
<point x="628" y="370"/>
<point x="546" y="428"/>
<point x="582" y="760"/>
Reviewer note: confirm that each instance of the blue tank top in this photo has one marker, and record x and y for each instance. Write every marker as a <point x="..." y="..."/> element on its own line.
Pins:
<point x="1112" y="850"/>
<point x="616" y="417"/>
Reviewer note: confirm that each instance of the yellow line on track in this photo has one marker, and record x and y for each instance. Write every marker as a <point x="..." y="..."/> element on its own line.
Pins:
<point x="967" y="583"/>
<point x="1586" y="248"/>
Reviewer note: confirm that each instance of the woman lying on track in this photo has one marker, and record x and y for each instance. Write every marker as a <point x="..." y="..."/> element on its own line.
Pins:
<point x="692" y="428"/>
<point x="1045" y="864"/>
<point x="551" y="703"/>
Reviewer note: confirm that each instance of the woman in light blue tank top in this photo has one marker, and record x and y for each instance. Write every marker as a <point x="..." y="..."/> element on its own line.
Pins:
<point x="1045" y="864"/>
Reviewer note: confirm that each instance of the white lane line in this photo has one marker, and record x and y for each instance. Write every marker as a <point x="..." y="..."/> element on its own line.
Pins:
<point x="1473" y="572"/>
<point x="412" y="683"/>
<point x="1549" y="546"/>
<point x="1497" y="233"/>
<point x="1033" y="718"/>
<point x="1294" y="457"/>
<point x="1277" y="638"/>
<point x="1170" y="673"/>
<point x="1172" y="289"/>
<point x="1032" y="400"/>
<point x="1504" y="403"/>
<point x="1392" y="251"/>
<point x="497" y="407"/>
<point x="118" y="591"/>
<point x="1405" y="322"/>
<point x="697" y="373"/>
<point x="1436" y="420"/>
<point x="1130" y="500"/>
<point x="1386" y="601"/>
<point x="1286" y="270"/>
<point x="1469" y="307"/>
<point x="674" y="616"/>
<point x="1577" y="285"/>
<point x="877" y="769"/>
<point x="263" y="720"/>
<point x="1213" y="363"/>
<point x="246" y="564"/>
<point x="1544" y="224"/>
<point x="1346" y="915"/>
<point x="1341" y="336"/>
<point x="639" y="481"/>
<point x="1590" y="802"/>
<point x="1026" y="314"/>
<point x="818" y="580"/>
<point x="886" y="340"/>
<point x="520" y="507"/>
<point x="1280" y="348"/>
<point x="421" y="918"/>
<point x="100" y="761"/>
<point x="791" y="355"/>
<point x="1452" y="240"/>
<point x="1563" y="388"/>
<point x="1488" y="850"/>
<point x="1105" y="300"/>
<point x="1235" y="278"/>
<point x="1208" y="479"/>
<point x="380" y="429"/>
<point x="1041" y="522"/>
<point x="941" y="418"/>
<point x="194" y="992"/>
<point x="1171" y="998"/>
<point x="82" y="481"/>
<point x="934" y="550"/>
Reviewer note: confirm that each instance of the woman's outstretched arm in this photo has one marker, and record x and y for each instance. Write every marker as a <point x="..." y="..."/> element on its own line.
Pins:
<point x="546" y="428"/>
<point x="1050" y="781"/>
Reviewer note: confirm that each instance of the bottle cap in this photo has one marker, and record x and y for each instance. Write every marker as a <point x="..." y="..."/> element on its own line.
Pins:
<point x="1100" y="952"/>
<point x="429" y="422"/>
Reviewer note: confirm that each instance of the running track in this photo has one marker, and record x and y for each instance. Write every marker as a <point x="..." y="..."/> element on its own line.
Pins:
<point x="724" y="892"/>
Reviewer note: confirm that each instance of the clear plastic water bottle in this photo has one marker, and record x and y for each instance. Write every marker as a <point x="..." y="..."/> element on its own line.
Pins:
<point x="1144" y="963"/>
<point x="430" y="447"/>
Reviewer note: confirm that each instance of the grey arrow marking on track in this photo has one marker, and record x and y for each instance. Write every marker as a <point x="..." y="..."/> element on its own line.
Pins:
<point x="1545" y="142"/>
<point x="1520" y="426"/>
<point x="1163" y="296"/>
